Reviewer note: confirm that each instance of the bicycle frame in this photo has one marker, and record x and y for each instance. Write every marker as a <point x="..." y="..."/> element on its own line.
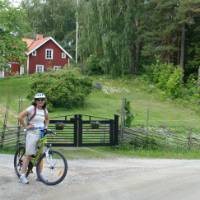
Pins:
<point x="41" y="143"/>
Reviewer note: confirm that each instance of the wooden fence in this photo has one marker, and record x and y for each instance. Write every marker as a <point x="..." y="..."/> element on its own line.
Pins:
<point x="159" y="138"/>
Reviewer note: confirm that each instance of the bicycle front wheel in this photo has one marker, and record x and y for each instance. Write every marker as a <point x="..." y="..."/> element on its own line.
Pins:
<point x="51" y="168"/>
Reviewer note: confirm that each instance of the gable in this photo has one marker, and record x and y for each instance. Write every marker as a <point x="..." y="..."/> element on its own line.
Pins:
<point x="36" y="44"/>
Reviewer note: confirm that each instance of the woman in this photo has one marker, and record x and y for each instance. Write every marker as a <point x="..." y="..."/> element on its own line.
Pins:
<point x="37" y="118"/>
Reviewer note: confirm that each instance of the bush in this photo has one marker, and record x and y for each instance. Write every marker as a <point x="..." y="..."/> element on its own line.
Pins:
<point x="94" y="65"/>
<point x="168" y="78"/>
<point x="63" y="88"/>
<point x="175" y="83"/>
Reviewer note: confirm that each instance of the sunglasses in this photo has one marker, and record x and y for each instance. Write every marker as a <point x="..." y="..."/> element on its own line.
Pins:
<point x="40" y="99"/>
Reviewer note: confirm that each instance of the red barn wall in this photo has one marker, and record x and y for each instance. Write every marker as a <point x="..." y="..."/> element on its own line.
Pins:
<point x="39" y="59"/>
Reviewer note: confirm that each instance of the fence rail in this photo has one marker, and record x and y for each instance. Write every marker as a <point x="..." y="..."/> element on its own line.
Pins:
<point x="161" y="138"/>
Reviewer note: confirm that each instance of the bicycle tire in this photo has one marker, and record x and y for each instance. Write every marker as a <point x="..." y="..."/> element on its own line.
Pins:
<point x="41" y="161"/>
<point x="18" y="160"/>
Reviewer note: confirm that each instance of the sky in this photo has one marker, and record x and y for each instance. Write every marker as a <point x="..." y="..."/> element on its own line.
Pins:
<point x="15" y="2"/>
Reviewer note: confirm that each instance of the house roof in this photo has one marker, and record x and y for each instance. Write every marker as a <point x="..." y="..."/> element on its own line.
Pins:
<point x="33" y="45"/>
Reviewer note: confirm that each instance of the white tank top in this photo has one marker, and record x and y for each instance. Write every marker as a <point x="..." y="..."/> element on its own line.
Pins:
<point x="38" y="119"/>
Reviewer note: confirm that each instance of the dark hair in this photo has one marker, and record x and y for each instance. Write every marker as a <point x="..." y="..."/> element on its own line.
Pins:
<point x="43" y="107"/>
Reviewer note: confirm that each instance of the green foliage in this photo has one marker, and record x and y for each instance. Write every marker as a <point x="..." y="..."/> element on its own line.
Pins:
<point x="129" y="115"/>
<point x="53" y="18"/>
<point x="11" y="49"/>
<point x="63" y="89"/>
<point x="112" y="31"/>
<point x="12" y="24"/>
<point x="175" y="83"/>
<point x="167" y="77"/>
<point x="148" y="143"/>
<point x="94" y="65"/>
<point x="192" y="88"/>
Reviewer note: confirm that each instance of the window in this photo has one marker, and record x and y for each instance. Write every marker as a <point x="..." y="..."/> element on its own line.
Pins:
<point x="56" y="68"/>
<point x="34" y="53"/>
<point x="63" y="55"/>
<point x="49" y="54"/>
<point x="39" y="68"/>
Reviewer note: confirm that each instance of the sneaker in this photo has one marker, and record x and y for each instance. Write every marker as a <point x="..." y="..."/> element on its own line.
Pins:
<point x="37" y="179"/>
<point x="23" y="179"/>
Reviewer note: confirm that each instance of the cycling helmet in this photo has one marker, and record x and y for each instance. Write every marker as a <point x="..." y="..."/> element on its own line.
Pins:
<point x="40" y="95"/>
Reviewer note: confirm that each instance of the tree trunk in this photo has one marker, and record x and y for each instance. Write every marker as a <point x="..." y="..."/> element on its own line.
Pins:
<point x="135" y="52"/>
<point x="182" y="56"/>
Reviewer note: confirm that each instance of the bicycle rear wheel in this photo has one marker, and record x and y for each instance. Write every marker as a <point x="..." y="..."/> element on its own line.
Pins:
<point x="52" y="168"/>
<point x="18" y="160"/>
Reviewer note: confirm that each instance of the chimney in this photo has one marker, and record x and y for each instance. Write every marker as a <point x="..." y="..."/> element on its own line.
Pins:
<point x="39" y="36"/>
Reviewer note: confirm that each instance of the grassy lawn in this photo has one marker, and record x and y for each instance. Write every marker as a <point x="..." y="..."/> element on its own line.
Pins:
<point x="148" y="106"/>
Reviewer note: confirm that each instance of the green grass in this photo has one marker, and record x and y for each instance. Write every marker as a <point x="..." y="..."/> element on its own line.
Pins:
<point x="148" y="105"/>
<point x="116" y="152"/>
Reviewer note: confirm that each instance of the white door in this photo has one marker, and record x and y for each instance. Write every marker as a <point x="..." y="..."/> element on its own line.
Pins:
<point x="21" y="70"/>
<point x="39" y="68"/>
<point x="1" y="74"/>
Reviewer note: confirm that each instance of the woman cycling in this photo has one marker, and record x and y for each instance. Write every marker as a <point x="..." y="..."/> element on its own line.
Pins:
<point x="37" y="119"/>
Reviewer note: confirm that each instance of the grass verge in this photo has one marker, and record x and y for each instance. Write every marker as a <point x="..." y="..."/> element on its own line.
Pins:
<point x="117" y="152"/>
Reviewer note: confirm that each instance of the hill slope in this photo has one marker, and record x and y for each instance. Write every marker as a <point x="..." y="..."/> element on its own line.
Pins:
<point x="146" y="103"/>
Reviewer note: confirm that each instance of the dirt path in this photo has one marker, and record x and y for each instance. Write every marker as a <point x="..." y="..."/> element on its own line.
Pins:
<point x="109" y="179"/>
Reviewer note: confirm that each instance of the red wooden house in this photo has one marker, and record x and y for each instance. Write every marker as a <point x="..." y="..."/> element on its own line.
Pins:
<point x="42" y="53"/>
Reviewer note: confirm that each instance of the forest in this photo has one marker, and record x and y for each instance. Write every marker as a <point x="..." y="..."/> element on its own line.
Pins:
<point x="115" y="37"/>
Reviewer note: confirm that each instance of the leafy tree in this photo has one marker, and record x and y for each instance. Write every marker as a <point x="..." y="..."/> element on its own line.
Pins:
<point x="53" y="18"/>
<point x="11" y="28"/>
<point x="112" y="30"/>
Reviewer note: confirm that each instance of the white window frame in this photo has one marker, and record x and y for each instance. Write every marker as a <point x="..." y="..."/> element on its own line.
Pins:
<point x="63" y="55"/>
<point x="34" y="53"/>
<point x="56" y="68"/>
<point x="39" y="68"/>
<point x="46" y="54"/>
<point x="2" y="75"/>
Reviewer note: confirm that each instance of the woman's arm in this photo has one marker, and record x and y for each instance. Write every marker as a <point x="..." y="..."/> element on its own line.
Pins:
<point x="46" y="121"/>
<point x="21" y="118"/>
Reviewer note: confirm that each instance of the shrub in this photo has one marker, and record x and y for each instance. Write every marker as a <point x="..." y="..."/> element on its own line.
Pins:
<point x="129" y="114"/>
<point x="168" y="78"/>
<point x="175" y="83"/>
<point x="63" y="88"/>
<point x="94" y="65"/>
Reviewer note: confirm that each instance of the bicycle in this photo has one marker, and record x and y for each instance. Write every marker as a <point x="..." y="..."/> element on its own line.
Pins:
<point x="51" y="166"/>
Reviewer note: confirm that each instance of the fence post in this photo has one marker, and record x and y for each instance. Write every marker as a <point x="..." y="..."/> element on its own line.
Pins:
<point x="199" y="81"/>
<point x="123" y="116"/>
<point x="75" y="130"/>
<point x="111" y="132"/>
<point x="4" y="126"/>
<point x="18" y="136"/>
<point x="18" y="123"/>
<point x="147" y="122"/>
<point x="80" y="130"/>
<point x="189" y="141"/>
<point x="116" y="129"/>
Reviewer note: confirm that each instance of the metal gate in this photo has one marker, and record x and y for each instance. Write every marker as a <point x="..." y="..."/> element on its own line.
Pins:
<point x="84" y="130"/>
<point x="74" y="130"/>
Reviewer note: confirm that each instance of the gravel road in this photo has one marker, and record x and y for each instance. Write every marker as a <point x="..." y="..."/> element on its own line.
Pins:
<point x="109" y="179"/>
